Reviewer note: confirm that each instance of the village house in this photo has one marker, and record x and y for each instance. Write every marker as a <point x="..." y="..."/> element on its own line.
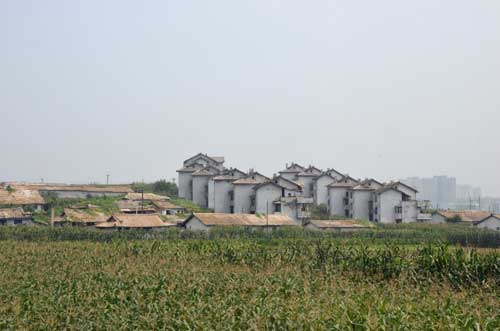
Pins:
<point x="12" y="196"/>
<point x="135" y="207"/>
<point x="80" y="217"/>
<point x="15" y="217"/>
<point x="471" y="216"/>
<point x="206" y="221"/>
<point x="150" y="197"/>
<point x="74" y="191"/>
<point x="491" y="222"/>
<point x="135" y="221"/>
<point x="338" y="225"/>
<point x="168" y="208"/>
<point x="390" y="205"/>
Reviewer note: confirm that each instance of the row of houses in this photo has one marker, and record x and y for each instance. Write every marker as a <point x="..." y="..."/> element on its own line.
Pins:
<point x="294" y="190"/>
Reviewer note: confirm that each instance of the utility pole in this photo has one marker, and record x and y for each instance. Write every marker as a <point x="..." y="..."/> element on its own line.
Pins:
<point x="267" y="214"/>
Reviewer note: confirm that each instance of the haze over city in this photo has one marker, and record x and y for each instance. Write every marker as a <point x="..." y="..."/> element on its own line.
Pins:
<point x="385" y="89"/>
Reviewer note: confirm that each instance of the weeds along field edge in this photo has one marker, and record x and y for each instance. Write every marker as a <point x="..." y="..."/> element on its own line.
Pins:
<point x="412" y="234"/>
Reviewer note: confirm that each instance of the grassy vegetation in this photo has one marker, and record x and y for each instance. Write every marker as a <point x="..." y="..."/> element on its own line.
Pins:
<point x="287" y="280"/>
<point x="105" y="204"/>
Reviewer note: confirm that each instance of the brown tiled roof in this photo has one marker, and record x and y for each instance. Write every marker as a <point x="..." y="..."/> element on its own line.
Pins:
<point x="362" y="187"/>
<point x="340" y="224"/>
<point x="135" y="221"/>
<point x="166" y="205"/>
<point x="20" y="197"/>
<point x="466" y="215"/>
<point x="133" y="205"/>
<point x="207" y="171"/>
<point x="73" y="187"/>
<point x="219" y="219"/>
<point x="147" y="196"/>
<point x="12" y="213"/>
<point x="83" y="216"/>
<point x="342" y="184"/>
<point x="246" y="181"/>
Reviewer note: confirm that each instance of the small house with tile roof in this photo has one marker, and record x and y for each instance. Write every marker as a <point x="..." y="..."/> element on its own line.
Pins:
<point x="491" y="222"/>
<point x="15" y="217"/>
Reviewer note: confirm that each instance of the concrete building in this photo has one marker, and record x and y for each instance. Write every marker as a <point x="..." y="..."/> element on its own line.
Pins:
<point x="361" y="198"/>
<point x="200" y="184"/>
<point x="440" y="190"/>
<point x="291" y="171"/>
<point x="339" y="197"/>
<point x="297" y="208"/>
<point x="390" y="205"/>
<point x="221" y="190"/>
<point x="306" y="180"/>
<point x="185" y="181"/>
<point x="244" y="192"/>
<point x="269" y="192"/>
<point x="491" y="222"/>
<point x="320" y="184"/>
<point x="192" y="165"/>
<point x="290" y="185"/>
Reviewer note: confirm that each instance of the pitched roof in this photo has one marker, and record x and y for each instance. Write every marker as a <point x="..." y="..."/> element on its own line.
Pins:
<point x="466" y="215"/>
<point x="219" y="219"/>
<point x="207" y="171"/>
<point x="397" y="183"/>
<point x="132" y="206"/>
<point x="269" y="182"/>
<point x="363" y="187"/>
<point x="164" y="205"/>
<point x="191" y="168"/>
<point x="339" y="224"/>
<point x="83" y="216"/>
<point x="497" y="217"/>
<point x="297" y="186"/>
<point x="134" y="221"/>
<point x="12" y="213"/>
<point x="147" y="196"/>
<point x="324" y="174"/>
<point x="246" y="181"/>
<point x="216" y="159"/>
<point x="293" y="168"/>
<point x="20" y="197"/>
<point x="345" y="182"/>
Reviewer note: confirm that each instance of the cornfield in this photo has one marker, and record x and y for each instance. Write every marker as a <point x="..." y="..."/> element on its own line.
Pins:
<point x="78" y="279"/>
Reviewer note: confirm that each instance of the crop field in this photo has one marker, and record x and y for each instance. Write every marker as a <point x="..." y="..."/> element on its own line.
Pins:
<point x="77" y="279"/>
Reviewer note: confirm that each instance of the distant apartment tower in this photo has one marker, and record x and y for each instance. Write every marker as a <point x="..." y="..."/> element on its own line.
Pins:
<point x="440" y="190"/>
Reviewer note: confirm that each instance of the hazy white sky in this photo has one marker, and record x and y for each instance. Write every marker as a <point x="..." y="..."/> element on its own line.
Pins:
<point x="383" y="89"/>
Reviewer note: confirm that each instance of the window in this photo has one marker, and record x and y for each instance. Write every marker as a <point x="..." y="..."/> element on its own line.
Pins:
<point x="18" y="221"/>
<point x="277" y="208"/>
<point x="398" y="210"/>
<point x="231" y="210"/>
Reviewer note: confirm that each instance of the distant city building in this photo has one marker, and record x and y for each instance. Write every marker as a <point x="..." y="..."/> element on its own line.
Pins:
<point x="440" y="190"/>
